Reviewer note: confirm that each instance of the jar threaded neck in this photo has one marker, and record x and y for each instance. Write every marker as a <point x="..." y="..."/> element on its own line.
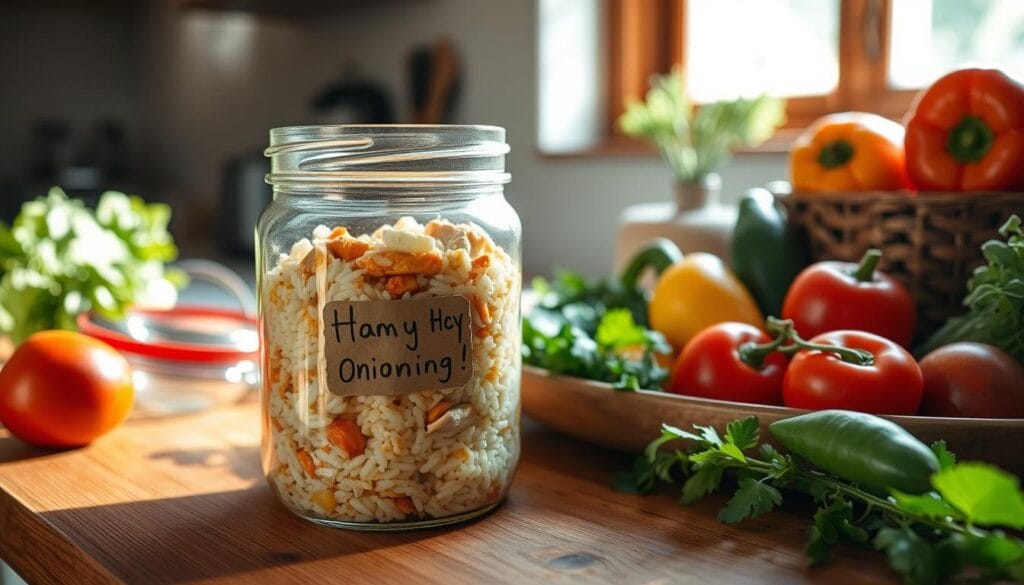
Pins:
<point x="321" y="157"/>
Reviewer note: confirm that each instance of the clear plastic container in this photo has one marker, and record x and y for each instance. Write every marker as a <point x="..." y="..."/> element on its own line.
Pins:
<point x="389" y="284"/>
<point x="187" y="358"/>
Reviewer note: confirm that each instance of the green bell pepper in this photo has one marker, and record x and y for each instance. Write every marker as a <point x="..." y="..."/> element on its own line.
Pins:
<point x="766" y="255"/>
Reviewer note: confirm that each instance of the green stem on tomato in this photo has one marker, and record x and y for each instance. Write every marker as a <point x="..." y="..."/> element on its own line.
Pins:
<point x="865" y="270"/>
<point x="784" y="331"/>
<point x="753" y="354"/>
<point x="779" y="327"/>
<point x="850" y="355"/>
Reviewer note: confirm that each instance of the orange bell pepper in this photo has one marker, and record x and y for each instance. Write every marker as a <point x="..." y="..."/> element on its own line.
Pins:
<point x="966" y="133"/>
<point x="852" y="151"/>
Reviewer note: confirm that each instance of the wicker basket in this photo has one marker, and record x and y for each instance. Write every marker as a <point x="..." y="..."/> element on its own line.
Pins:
<point x="932" y="243"/>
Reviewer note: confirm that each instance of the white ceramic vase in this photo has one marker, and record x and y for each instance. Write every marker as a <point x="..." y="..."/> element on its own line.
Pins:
<point x="697" y="221"/>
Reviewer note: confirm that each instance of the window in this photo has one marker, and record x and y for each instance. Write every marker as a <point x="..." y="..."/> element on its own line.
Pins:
<point x="802" y="62"/>
<point x="822" y="55"/>
<point x="931" y="37"/>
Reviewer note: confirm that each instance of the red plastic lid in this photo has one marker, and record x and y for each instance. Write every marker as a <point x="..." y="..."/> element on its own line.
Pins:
<point x="185" y="334"/>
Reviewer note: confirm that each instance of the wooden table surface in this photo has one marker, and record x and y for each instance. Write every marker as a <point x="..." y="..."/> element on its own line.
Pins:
<point x="183" y="499"/>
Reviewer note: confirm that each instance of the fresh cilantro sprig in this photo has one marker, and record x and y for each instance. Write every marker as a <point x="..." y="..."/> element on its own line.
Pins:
<point x="621" y="352"/>
<point x="595" y="330"/>
<point x="927" y="538"/>
<point x="582" y="302"/>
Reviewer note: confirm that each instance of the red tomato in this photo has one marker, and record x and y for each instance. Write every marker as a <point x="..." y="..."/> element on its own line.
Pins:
<point x="827" y="296"/>
<point x="819" y="380"/>
<point x="710" y="367"/>
<point x="973" y="380"/>
<point x="64" y="389"/>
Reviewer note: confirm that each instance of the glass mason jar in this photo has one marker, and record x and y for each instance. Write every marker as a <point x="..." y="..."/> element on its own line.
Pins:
<point x="388" y="268"/>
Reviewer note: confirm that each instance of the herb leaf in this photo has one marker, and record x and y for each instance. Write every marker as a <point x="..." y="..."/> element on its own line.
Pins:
<point x="995" y="298"/>
<point x="996" y="553"/>
<point x="909" y="555"/>
<point x="701" y="483"/>
<point x="695" y="141"/>
<point x="703" y="439"/>
<point x="743" y="433"/>
<point x="668" y="433"/>
<point x="595" y="331"/>
<point x="929" y="505"/>
<point x="817" y="549"/>
<point x="617" y="330"/>
<point x="833" y="523"/>
<point x="709" y="435"/>
<point x="733" y="451"/>
<point x="946" y="458"/>
<point x="752" y="499"/>
<point x="984" y="494"/>
<point x="928" y="538"/>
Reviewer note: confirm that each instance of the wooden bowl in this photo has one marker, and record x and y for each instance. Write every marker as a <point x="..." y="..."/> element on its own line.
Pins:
<point x="628" y="421"/>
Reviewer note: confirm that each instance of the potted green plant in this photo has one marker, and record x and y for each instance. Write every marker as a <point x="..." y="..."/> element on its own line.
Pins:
<point x="694" y="142"/>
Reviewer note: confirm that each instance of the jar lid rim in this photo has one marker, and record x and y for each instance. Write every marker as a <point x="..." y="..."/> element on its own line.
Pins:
<point x="474" y="132"/>
<point x="385" y="127"/>
<point x="390" y="153"/>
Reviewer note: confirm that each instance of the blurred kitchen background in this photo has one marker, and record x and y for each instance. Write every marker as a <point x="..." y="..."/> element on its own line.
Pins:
<point x="172" y="99"/>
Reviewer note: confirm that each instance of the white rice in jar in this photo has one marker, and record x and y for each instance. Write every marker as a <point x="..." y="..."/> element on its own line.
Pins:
<point x="408" y="457"/>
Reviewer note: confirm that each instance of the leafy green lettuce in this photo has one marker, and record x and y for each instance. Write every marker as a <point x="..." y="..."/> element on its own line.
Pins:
<point x="60" y="259"/>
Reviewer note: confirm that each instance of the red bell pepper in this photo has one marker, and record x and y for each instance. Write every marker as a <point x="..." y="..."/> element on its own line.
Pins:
<point x="966" y="133"/>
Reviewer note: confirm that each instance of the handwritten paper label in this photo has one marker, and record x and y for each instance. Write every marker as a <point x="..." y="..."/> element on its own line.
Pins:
<point x="397" y="347"/>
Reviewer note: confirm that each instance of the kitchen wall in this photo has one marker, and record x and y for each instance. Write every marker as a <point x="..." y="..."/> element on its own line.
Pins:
<point x="68" y="60"/>
<point x="568" y="206"/>
<point x="214" y="83"/>
<point x="208" y="85"/>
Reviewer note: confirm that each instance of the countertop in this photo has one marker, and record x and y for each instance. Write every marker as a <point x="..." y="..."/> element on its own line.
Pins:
<point x="183" y="499"/>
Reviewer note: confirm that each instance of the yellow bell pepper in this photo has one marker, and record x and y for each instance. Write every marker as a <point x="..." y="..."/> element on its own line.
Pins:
<point x="695" y="293"/>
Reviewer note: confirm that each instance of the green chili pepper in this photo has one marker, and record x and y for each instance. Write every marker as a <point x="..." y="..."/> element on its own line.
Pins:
<point x="659" y="254"/>
<point x="765" y="253"/>
<point x="860" y="447"/>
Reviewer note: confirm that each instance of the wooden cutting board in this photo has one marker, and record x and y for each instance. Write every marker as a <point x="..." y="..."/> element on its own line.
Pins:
<point x="183" y="499"/>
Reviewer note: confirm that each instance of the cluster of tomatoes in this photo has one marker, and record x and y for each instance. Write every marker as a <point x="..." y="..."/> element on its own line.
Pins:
<point x="859" y="322"/>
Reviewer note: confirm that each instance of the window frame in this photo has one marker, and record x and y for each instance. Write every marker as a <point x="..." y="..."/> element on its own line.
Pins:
<point x="640" y="45"/>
